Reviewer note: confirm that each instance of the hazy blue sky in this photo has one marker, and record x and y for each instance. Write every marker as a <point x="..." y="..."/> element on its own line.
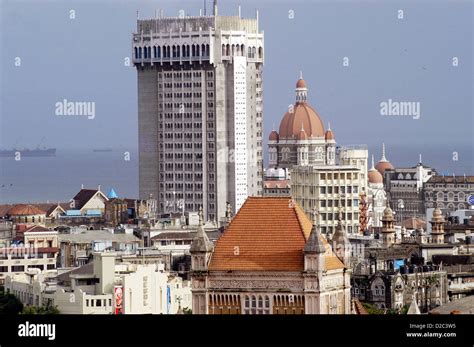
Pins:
<point x="82" y="59"/>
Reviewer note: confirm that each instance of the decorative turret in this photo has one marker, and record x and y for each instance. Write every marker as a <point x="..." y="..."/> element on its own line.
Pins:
<point x="301" y="90"/>
<point x="201" y="247"/>
<point x="201" y="252"/>
<point x="330" y="146"/>
<point x="383" y="163"/>
<point x="340" y="242"/>
<point x="437" y="226"/>
<point x="302" y="149"/>
<point x="388" y="227"/>
<point x="375" y="177"/>
<point x="314" y="249"/>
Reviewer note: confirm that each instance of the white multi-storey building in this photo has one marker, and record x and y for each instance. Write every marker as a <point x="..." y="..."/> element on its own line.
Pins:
<point x="328" y="189"/>
<point x="200" y="111"/>
<point x="103" y="287"/>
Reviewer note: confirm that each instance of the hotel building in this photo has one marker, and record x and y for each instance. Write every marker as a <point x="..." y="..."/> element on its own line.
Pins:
<point x="200" y="111"/>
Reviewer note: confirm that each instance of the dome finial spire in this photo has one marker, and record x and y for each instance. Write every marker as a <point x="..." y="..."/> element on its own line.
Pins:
<point x="329" y="125"/>
<point x="383" y="152"/>
<point x="373" y="166"/>
<point x="420" y="159"/>
<point x="301" y="75"/>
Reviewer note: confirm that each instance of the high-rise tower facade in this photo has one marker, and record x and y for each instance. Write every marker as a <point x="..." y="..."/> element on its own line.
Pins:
<point x="200" y="111"/>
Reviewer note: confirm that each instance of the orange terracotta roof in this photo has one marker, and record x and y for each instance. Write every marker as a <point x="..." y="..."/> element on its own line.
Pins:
<point x="25" y="210"/>
<point x="267" y="234"/>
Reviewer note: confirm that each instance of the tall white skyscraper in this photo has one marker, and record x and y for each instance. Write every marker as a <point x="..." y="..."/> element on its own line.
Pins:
<point x="200" y="111"/>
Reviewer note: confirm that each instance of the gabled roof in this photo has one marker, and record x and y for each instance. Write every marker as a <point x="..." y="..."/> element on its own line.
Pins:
<point x="84" y="196"/>
<point x="37" y="228"/>
<point x="267" y="234"/>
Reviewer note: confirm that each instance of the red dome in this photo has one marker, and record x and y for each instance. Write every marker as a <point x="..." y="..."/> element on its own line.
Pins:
<point x="329" y="135"/>
<point x="301" y="83"/>
<point x="383" y="165"/>
<point x="273" y="136"/>
<point x="290" y="125"/>
<point x="25" y="210"/>
<point x="374" y="176"/>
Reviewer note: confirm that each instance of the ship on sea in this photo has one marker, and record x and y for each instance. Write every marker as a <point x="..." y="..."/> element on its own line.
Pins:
<point x="39" y="151"/>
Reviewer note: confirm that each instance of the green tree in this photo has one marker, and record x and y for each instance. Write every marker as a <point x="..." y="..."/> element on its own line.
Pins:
<point x="372" y="309"/>
<point x="40" y="310"/>
<point x="9" y="304"/>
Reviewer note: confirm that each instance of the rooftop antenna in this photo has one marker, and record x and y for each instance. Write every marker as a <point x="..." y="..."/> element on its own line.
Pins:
<point x="138" y="15"/>
<point x="240" y="13"/>
<point x="215" y="8"/>
<point x="205" y="12"/>
<point x="420" y="158"/>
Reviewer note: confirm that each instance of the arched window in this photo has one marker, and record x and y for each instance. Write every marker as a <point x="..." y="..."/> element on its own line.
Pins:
<point x="145" y="52"/>
<point x="136" y="52"/>
<point x="254" y="304"/>
<point x="260" y="52"/>
<point x="158" y="52"/>
<point x="139" y="53"/>
<point x="203" y="50"/>
<point x="260" y="305"/>
<point x="149" y="52"/>
<point x="223" y="50"/>
<point x="183" y="51"/>
<point x="198" y="53"/>
<point x="194" y="50"/>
